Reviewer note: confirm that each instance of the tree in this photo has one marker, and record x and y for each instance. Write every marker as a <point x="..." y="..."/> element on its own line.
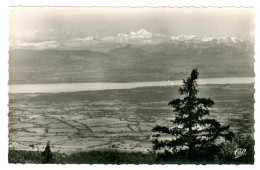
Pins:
<point x="194" y="133"/>
<point x="46" y="154"/>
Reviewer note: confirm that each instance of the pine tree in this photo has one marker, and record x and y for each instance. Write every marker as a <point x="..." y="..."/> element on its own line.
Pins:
<point x="46" y="154"/>
<point x="193" y="134"/>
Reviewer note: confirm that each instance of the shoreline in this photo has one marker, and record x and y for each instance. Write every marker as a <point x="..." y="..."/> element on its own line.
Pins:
<point x="78" y="87"/>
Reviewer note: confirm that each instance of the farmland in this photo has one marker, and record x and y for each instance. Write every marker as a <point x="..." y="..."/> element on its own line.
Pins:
<point x="114" y="119"/>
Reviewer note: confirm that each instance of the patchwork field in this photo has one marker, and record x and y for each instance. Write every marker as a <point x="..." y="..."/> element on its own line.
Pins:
<point x="115" y="119"/>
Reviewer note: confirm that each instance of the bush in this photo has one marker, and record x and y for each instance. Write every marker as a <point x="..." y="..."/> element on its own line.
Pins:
<point x="227" y="153"/>
<point x="91" y="157"/>
<point x="107" y="157"/>
<point x="16" y="156"/>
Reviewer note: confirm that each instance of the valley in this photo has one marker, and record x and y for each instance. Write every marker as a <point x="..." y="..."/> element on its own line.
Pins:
<point x="114" y="119"/>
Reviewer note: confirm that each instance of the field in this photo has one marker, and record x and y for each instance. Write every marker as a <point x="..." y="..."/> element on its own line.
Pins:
<point x="114" y="119"/>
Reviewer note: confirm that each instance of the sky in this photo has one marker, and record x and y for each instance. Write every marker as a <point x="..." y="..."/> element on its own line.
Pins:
<point x="52" y="24"/>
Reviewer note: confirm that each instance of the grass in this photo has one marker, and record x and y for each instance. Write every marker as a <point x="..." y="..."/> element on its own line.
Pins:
<point x="92" y="157"/>
<point x="17" y="156"/>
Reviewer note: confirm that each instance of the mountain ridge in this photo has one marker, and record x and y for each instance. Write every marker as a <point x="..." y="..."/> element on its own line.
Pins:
<point x="107" y="43"/>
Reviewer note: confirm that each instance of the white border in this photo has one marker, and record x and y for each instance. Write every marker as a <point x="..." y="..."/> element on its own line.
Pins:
<point x="154" y="3"/>
<point x="133" y="3"/>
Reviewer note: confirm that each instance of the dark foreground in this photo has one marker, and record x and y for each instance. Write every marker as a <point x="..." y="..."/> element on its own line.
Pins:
<point x="112" y="157"/>
<point x="92" y="157"/>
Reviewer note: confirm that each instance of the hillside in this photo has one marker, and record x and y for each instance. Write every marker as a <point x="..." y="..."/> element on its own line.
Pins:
<point x="129" y="63"/>
<point x="127" y="51"/>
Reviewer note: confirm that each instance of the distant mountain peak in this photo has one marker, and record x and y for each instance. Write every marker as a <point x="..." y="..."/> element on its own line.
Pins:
<point x="129" y="46"/>
<point x="140" y="37"/>
<point x="206" y="39"/>
<point x="128" y="49"/>
<point x="141" y="34"/>
<point x="143" y="31"/>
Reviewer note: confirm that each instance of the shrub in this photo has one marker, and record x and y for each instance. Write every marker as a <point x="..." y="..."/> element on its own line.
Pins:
<point x="227" y="153"/>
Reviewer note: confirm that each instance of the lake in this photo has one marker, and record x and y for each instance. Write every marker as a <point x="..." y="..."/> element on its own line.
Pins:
<point x="76" y="87"/>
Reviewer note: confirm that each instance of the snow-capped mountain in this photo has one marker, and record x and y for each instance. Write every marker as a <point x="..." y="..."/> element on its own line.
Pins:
<point x="142" y="37"/>
<point x="206" y="39"/>
<point x="193" y="41"/>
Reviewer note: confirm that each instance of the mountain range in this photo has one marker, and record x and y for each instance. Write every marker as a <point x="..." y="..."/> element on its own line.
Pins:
<point x="141" y="38"/>
<point x="134" y="62"/>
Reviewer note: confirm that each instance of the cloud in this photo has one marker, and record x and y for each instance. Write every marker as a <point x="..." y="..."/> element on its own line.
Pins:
<point x="33" y="35"/>
<point x="109" y="38"/>
<point x="40" y="39"/>
<point x="86" y="39"/>
<point x="51" y="39"/>
<point x="183" y="37"/>
<point x="39" y="45"/>
<point x="47" y="35"/>
<point x="44" y="39"/>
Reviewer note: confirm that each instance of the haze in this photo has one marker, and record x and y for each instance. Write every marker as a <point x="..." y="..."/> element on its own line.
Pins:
<point x="33" y="24"/>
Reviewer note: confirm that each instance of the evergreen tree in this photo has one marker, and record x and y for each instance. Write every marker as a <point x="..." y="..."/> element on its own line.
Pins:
<point x="46" y="154"/>
<point x="193" y="134"/>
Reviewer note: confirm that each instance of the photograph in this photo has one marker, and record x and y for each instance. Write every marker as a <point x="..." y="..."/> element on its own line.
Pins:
<point x="131" y="85"/>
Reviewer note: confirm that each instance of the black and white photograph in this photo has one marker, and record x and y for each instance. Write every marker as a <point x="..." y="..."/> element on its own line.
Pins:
<point x="131" y="85"/>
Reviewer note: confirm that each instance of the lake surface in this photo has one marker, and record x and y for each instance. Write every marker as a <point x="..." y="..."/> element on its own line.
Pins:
<point x="75" y="87"/>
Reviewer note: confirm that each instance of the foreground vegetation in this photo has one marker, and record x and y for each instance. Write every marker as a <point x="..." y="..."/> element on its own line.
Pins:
<point x="92" y="157"/>
<point x="225" y="156"/>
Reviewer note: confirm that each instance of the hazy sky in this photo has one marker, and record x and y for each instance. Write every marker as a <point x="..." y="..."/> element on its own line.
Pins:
<point x="33" y="24"/>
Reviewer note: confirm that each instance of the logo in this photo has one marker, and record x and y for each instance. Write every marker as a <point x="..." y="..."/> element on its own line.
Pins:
<point x="239" y="152"/>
